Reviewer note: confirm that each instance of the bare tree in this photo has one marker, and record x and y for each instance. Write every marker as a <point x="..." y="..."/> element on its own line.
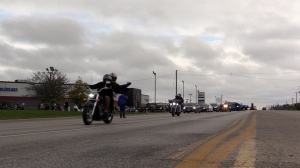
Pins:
<point x="50" y="86"/>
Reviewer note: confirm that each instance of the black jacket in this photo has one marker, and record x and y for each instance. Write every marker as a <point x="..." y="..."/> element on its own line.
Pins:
<point x="179" y="98"/>
<point x="121" y="88"/>
<point x="109" y="92"/>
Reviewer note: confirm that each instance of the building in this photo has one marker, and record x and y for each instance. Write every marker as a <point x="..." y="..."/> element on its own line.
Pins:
<point x="15" y="92"/>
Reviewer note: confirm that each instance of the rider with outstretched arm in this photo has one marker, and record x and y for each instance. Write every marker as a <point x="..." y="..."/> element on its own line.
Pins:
<point x="120" y="88"/>
<point x="105" y="93"/>
<point x="114" y="80"/>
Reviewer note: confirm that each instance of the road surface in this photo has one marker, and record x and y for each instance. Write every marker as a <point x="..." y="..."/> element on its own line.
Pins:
<point x="224" y="139"/>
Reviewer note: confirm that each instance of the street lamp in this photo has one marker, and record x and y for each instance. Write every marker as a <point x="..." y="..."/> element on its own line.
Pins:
<point x="190" y="97"/>
<point x="183" y="90"/>
<point x="154" y="87"/>
<point x="51" y="71"/>
<point x="196" y="95"/>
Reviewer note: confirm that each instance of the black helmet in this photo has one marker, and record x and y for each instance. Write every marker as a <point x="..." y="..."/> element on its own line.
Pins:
<point x="107" y="77"/>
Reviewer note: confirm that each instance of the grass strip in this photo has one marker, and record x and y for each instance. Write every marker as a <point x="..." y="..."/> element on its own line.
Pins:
<point x="26" y="114"/>
<point x="29" y="114"/>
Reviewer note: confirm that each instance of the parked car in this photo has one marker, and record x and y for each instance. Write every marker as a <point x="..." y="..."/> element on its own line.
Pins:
<point x="5" y="105"/>
<point x="190" y="107"/>
<point x="19" y="106"/>
<point x="264" y="108"/>
<point x="159" y="107"/>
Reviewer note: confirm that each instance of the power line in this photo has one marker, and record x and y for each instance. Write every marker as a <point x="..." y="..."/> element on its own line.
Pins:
<point x="261" y="78"/>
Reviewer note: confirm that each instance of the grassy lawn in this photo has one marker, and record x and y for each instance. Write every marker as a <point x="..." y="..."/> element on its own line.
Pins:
<point x="27" y="114"/>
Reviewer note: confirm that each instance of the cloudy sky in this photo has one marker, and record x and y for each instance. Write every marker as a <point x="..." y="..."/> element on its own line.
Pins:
<point x="246" y="51"/>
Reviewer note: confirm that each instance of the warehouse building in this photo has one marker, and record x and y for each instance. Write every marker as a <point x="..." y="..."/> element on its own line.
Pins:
<point x="15" y="92"/>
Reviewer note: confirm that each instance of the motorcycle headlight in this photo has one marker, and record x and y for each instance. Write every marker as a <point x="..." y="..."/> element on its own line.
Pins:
<point x="183" y="107"/>
<point x="170" y="104"/>
<point x="194" y="107"/>
<point x="226" y="105"/>
<point x="91" y="95"/>
<point x="174" y="103"/>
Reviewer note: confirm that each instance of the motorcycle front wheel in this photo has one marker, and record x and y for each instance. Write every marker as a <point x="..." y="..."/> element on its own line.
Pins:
<point x="173" y="112"/>
<point x="87" y="115"/>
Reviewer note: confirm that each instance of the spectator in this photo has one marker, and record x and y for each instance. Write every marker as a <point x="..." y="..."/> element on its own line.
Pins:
<point x="66" y="105"/>
<point x="122" y="103"/>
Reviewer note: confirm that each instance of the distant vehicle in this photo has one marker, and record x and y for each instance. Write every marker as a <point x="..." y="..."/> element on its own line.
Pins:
<point x="238" y="107"/>
<point x="225" y="107"/>
<point x="175" y="107"/>
<point x="5" y="105"/>
<point x="19" y="106"/>
<point x="215" y="107"/>
<point x="159" y="107"/>
<point x="190" y="107"/>
<point x="264" y="108"/>
<point x="205" y="108"/>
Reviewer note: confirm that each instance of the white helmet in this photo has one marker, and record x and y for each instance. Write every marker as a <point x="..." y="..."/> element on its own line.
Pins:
<point x="113" y="76"/>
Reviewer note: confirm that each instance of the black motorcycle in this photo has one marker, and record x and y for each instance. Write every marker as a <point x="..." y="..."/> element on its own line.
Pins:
<point x="93" y="109"/>
<point x="175" y="107"/>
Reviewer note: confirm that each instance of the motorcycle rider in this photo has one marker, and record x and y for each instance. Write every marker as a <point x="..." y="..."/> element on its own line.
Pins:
<point x="121" y="88"/>
<point x="114" y="80"/>
<point x="178" y="97"/>
<point x="107" y="94"/>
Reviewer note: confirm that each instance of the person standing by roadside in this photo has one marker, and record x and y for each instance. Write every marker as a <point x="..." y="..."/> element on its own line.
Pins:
<point x="122" y="103"/>
<point x="66" y="105"/>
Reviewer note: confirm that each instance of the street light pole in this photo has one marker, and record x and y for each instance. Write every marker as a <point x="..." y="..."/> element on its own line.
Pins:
<point x="196" y="95"/>
<point x="296" y="97"/>
<point x="190" y="97"/>
<point x="183" y="90"/>
<point x="154" y="87"/>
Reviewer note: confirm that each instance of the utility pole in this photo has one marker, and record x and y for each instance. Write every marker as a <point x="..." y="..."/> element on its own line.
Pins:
<point x="183" y="90"/>
<point x="154" y="87"/>
<point x="196" y="95"/>
<point x="292" y="101"/>
<point x="176" y="84"/>
<point x="296" y="97"/>
<point x="221" y="99"/>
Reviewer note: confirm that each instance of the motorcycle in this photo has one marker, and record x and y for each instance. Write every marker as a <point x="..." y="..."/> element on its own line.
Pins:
<point x="94" y="108"/>
<point x="175" y="107"/>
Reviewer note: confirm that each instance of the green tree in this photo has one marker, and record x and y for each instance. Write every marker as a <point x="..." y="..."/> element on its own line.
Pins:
<point x="50" y="86"/>
<point x="79" y="92"/>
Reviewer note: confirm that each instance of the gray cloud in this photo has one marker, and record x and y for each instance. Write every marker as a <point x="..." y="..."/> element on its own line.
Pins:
<point x="44" y="30"/>
<point x="255" y="41"/>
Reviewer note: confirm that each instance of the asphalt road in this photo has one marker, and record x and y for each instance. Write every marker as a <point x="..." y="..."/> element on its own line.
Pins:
<point x="228" y="139"/>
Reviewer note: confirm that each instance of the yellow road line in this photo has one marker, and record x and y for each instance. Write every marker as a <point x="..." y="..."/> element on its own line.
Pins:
<point x="220" y="154"/>
<point x="247" y="154"/>
<point x="195" y="158"/>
